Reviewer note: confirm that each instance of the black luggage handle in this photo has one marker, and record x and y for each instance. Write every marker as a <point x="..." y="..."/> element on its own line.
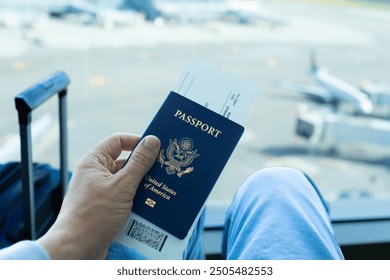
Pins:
<point x="25" y="103"/>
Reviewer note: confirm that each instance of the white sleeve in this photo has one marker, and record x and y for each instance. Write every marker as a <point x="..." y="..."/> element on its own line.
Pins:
<point x="24" y="250"/>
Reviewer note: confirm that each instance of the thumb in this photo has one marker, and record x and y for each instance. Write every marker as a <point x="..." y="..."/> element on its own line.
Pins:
<point x="141" y="159"/>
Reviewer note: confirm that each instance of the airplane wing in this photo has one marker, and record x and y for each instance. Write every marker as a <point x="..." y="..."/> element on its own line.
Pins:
<point x="314" y="93"/>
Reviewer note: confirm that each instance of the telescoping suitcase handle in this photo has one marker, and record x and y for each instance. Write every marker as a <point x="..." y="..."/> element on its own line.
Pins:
<point x="26" y="102"/>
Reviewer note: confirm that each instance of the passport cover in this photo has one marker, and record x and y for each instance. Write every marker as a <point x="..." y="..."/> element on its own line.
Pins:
<point x="196" y="144"/>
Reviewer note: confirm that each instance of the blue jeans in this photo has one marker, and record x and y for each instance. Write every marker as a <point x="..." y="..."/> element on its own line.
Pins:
<point x="278" y="213"/>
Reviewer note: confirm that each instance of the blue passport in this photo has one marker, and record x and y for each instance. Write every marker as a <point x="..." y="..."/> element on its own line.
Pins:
<point x="196" y="144"/>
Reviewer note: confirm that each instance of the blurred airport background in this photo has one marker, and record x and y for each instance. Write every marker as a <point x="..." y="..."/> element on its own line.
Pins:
<point x="124" y="56"/>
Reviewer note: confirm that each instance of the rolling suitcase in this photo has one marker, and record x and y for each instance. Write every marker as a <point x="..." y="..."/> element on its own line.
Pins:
<point x="31" y="193"/>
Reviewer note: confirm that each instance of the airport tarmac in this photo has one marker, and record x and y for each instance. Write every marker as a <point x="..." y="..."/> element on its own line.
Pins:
<point x="119" y="78"/>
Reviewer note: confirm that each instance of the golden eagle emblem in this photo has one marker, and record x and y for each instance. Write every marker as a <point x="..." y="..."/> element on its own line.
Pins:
<point x="178" y="155"/>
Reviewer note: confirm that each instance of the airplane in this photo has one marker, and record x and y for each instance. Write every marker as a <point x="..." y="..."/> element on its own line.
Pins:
<point x="330" y="126"/>
<point x="29" y="13"/>
<point x="378" y="93"/>
<point x="340" y="89"/>
<point x="201" y="11"/>
<point x="331" y="90"/>
<point x="187" y="11"/>
<point x="107" y="15"/>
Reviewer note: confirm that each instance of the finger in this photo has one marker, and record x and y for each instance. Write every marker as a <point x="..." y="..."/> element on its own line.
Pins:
<point x="119" y="164"/>
<point x="141" y="159"/>
<point x="113" y="146"/>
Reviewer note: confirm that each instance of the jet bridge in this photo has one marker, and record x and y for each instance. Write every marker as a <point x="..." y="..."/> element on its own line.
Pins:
<point x="325" y="128"/>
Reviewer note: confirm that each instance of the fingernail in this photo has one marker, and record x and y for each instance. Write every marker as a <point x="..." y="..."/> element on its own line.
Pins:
<point x="151" y="142"/>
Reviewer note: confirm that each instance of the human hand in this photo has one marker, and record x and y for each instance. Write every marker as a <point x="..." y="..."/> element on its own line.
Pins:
<point x="99" y="198"/>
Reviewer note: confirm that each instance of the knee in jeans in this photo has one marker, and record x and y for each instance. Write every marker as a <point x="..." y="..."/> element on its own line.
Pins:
<point x="273" y="180"/>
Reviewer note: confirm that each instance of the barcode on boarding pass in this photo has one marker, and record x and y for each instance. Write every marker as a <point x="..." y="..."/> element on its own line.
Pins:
<point x="146" y="234"/>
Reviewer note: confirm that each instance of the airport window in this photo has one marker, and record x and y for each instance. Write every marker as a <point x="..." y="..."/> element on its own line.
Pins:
<point x="322" y="66"/>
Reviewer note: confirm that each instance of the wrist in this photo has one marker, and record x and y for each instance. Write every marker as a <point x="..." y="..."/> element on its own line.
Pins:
<point x="61" y="244"/>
